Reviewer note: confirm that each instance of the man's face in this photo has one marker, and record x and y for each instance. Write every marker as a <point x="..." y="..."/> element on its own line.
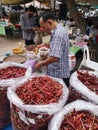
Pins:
<point x="47" y="26"/>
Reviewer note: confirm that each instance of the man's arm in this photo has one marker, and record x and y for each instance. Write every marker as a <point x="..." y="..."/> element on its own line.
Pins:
<point x="46" y="62"/>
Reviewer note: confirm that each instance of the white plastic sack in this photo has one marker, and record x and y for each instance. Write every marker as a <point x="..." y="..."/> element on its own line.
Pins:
<point x="5" y="119"/>
<point x="81" y="88"/>
<point x="45" y="109"/>
<point x="31" y="63"/>
<point x="7" y="64"/>
<point x="78" y="105"/>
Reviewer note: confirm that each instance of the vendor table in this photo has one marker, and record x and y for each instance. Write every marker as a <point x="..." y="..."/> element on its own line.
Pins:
<point x="74" y="49"/>
<point x="6" y="30"/>
<point x="9" y="30"/>
<point x="2" y="30"/>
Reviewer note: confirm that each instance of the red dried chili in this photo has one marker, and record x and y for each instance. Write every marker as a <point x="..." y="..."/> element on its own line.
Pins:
<point x="80" y="120"/>
<point x="7" y="73"/>
<point x="12" y="72"/>
<point x="89" y="80"/>
<point x="40" y="90"/>
<point x="36" y="91"/>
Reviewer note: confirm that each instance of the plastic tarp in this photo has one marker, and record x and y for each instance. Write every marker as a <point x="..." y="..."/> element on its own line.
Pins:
<point x="11" y="2"/>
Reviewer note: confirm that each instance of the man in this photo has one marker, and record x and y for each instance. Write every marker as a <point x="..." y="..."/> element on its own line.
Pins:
<point x="58" y="60"/>
<point x="28" y="26"/>
<point x="36" y="17"/>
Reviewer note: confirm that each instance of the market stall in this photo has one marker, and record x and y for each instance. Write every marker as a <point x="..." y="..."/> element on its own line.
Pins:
<point x="49" y="103"/>
<point x="10" y="2"/>
<point x="41" y="53"/>
<point x="6" y="29"/>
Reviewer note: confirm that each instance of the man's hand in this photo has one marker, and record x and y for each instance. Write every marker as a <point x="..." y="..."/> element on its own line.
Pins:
<point x="38" y="65"/>
<point x="46" y="62"/>
<point x="34" y="28"/>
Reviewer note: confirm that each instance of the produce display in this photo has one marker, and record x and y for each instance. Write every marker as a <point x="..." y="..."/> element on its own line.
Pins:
<point x="33" y="121"/>
<point x="80" y="120"/>
<point x="8" y="71"/>
<point x="84" y="85"/>
<point x="40" y="90"/>
<point x="12" y="72"/>
<point x="34" y="102"/>
<point x="77" y="115"/>
<point x="91" y="81"/>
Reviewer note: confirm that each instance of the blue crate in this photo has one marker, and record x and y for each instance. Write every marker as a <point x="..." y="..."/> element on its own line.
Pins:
<point x="9" y="128"/>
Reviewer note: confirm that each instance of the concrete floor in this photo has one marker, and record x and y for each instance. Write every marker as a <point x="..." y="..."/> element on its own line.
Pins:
<point x="7" y="44"/>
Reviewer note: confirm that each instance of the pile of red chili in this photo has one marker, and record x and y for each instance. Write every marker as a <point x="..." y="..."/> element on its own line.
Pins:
<point x="12" y="72"/>
<point x="91" y="81"/>
<point x="7" y="73"/>
<point x="40" y="90"/>
<point x="80" y="120"/>
<point x="36" y="91"/>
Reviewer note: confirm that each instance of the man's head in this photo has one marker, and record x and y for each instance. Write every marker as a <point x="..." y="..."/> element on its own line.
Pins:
<point x="31" y="10"/>
<point x="48" y="21"/>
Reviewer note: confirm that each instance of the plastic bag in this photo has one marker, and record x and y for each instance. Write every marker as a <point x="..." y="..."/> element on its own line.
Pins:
<point x="31" y="63"/>
<point x="4" y="84"/>
<point x="81" y="88"/>
<point x="78" y="105"/>
<point x="41" y="110"/>
<point x="28" y="72"/>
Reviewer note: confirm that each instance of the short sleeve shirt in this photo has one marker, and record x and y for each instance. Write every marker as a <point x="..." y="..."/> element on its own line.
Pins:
<point x="59" y="48"/>
<point x="26" y="24"/>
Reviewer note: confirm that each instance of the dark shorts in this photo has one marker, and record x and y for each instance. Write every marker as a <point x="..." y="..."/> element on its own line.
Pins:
<point x="29" y="42"/>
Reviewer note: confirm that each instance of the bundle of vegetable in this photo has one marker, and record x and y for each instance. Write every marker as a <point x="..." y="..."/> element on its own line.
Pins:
<point x="78" y="115"/>
<point x="35" y="101"/>
<point x="84" y="85"/>
<point x="8" y="71"/>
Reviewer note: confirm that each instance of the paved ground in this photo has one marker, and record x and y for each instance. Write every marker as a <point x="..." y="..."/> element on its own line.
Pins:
<point x="7" y="44"/>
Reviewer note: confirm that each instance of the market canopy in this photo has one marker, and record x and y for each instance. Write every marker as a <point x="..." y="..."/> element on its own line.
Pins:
<point x="92" y="2"/>
<point x="46" y="2"/>
<point x="11" y="2"/>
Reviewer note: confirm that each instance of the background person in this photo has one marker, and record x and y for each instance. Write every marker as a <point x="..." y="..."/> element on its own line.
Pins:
<point x="28" y="26"/>
<point x="58" y="59"/>
<point x="37" y="17"/>
<point x="38" y="37"/>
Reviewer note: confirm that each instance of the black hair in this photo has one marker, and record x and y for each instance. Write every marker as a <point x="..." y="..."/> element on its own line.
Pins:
<point x="31" y="8"/>
<point x="48" y="15"/>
